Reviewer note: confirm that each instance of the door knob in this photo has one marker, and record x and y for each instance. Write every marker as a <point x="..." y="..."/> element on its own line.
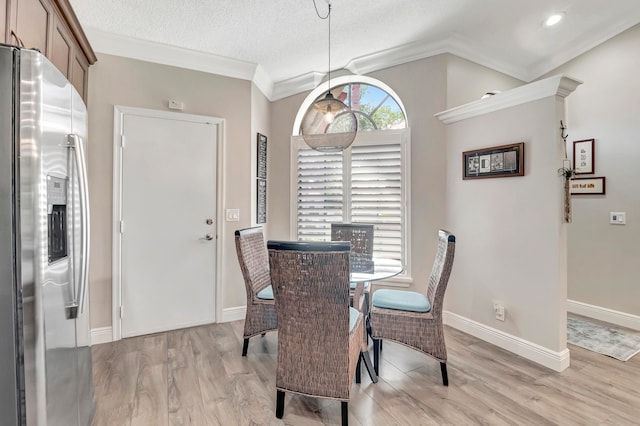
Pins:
<point x="208" y="237"/>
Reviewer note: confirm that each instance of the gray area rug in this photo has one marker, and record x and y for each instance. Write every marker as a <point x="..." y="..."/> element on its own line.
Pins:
<point x="604" y="340"/>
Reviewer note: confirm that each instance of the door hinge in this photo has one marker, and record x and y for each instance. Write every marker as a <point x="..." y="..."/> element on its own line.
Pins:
<point x="122" y="226"/>
<point x="122" y="141"/>
<point x="121" y="312"/>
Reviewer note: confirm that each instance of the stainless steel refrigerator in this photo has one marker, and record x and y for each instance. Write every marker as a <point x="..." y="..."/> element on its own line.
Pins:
<point x="45" y="374"/>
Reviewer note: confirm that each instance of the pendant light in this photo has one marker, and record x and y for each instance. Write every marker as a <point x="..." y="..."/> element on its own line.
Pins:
<point x="329" y="124"/>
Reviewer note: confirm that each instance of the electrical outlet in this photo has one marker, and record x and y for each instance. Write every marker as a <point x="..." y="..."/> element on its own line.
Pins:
<point x="498" y="310"/>
<point x="500" y="313"/>
<point x="617" y="218"/>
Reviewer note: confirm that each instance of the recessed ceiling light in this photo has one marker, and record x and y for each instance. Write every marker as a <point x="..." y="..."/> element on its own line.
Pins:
<point x="554" y="19"/>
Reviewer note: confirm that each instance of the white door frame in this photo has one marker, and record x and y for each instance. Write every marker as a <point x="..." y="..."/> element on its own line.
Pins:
<point x="116" y="251"/>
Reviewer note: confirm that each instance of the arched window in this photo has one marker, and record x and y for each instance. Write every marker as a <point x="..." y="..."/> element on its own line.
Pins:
<point x="367" y="183"/>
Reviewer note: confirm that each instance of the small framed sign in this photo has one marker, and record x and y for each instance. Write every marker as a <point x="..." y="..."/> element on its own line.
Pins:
<point x="583" y="157"/>
<point x="588" y="186"/>
<point x="497" y="161"/>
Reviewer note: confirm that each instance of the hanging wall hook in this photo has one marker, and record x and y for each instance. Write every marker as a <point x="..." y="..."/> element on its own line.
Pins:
<point x="562" y="134"/>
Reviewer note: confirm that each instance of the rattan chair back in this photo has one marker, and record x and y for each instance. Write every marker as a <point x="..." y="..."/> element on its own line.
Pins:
<point x="317" y="352"/>
<point x="254" y="263"/>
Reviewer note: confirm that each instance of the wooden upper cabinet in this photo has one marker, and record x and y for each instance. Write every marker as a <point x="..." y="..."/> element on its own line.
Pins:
<point x="32" y="24"/>
<point x="52" y="27"/>
<point x="61" y="45"/>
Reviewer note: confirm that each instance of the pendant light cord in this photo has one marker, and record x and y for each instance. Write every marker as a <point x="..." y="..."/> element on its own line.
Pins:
<point x="328" y="16"/>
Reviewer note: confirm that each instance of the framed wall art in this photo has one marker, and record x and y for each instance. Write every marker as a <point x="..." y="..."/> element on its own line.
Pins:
<point x="497" y="161"/>
<point x="588" y="186"/>
<point x="261" y="173"/>
<point x="583" y="157"/>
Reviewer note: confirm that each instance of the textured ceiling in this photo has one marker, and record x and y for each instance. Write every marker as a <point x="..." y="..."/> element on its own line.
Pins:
<point x="286" y="39"/>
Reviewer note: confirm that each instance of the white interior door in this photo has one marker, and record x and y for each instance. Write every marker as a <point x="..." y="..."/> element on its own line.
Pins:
<point x="168" y="231"/>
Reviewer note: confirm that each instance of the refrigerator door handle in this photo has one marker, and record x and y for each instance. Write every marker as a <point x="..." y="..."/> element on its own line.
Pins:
<point x="74" y="142"/>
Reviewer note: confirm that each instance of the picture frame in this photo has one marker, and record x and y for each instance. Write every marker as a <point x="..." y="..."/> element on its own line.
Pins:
<point x="588" y="186"/>
<point x="584" y="157"/>
<point x="261" y="201"/>
<point x="493" y="162"/>
<point x="261" y="173"/>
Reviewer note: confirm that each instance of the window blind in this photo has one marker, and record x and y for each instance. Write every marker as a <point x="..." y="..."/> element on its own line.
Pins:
<point x="376" y="195"/>
<point x="320" y="193"/>
<point x="373" y="194"/>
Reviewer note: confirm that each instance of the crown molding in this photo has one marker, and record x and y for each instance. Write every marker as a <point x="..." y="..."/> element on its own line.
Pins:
<point x="558" y="85"/>
<point x="454" y="43"/>
<point x="292" y="86"/>
<point x="129" y="47"/>
<point x="605" y="33"/>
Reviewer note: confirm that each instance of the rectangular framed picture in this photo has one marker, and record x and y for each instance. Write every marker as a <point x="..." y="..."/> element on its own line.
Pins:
<point x="262" y="157"/>
<point x="261" y="205"/>
<point x="497" y="161"/>
<point x="587" y="186"/>
<point x="583" y="157"/>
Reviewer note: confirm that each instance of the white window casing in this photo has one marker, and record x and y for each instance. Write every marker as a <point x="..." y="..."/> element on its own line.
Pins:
<point x="367" y="183"/>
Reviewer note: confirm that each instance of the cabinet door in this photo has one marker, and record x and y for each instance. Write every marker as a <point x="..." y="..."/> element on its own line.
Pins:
<point x="61" y="43"/>
<point x="33" y="20"/>
<point x="79" y="74"/>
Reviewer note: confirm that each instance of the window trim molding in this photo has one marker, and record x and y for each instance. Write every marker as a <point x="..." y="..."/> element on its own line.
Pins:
<point x="363" y="138"/>
<point x="338" y="81"/>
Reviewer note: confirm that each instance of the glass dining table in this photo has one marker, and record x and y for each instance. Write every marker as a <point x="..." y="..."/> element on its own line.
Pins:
<point x="383" y="268"/>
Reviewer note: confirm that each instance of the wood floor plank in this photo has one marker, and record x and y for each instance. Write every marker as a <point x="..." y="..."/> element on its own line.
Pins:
<point x="197" y="376"/>
<point x="151" y="400"/>
<point x="184" y="396"/>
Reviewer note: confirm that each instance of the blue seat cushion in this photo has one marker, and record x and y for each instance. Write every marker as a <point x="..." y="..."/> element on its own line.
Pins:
<point x="401" y="300"/>
<point x="266" y="293"/>
<point x="353" y="317"/>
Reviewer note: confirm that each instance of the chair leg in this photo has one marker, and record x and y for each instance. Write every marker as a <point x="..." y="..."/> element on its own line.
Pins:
<point x="376" y="355"/>
<point x="245" y="346"/>
<point x="443" y="369"/>
<point x="345" y="413"/>
<point x="367" y="363"/>
<point x="279" y="404"/>
<point x="358" y="368"/>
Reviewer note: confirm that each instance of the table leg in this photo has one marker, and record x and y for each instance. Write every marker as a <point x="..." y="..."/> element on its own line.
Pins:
<point x="364" y="355"/>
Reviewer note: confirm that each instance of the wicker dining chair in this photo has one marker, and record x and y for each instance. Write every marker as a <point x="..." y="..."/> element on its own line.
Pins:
<point x="320" y="337"/>
<point x="254" y="262"/>
<point x="415" y="319"/>
<point x="360" y="235"/>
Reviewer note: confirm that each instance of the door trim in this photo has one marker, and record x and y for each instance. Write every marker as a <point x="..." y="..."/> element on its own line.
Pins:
<point x="116" y="249"/>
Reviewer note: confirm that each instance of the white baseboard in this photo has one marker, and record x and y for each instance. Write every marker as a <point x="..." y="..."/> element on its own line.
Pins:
<point x="604" y="314"/>
<point x="234" y="314"/>
<point x="105" y="334"/>
<point x="557" y="361"/>
<point x="101" y="335"/>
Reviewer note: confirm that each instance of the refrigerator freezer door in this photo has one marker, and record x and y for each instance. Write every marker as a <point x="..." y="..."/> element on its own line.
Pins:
<point x="46" y="121"/>
<point x="10" y="378"/>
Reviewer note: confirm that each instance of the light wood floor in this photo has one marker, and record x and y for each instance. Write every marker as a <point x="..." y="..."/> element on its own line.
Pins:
<point x="196" y="376"/>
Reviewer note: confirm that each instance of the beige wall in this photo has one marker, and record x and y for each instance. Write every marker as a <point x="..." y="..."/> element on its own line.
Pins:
<point x="468" y="81"/>
<point x="511" y="240"/>
<point x="425" y="87"/>
<point x="260" y="123"/>
<point x="120" y="81"/>
<point x="603" y="258"/>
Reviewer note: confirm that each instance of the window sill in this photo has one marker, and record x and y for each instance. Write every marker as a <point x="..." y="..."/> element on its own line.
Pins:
<point x="400" y="281"/>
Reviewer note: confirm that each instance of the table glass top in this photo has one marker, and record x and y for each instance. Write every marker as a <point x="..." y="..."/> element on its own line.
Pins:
<point x="382" y="269"/>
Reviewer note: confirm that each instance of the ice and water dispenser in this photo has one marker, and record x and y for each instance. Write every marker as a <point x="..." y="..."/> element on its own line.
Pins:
<point x="57" y="217"/>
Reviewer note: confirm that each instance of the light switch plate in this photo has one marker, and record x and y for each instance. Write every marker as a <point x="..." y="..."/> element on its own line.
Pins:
<point x="617" y="218"/>
<point x="233" y="215"/>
